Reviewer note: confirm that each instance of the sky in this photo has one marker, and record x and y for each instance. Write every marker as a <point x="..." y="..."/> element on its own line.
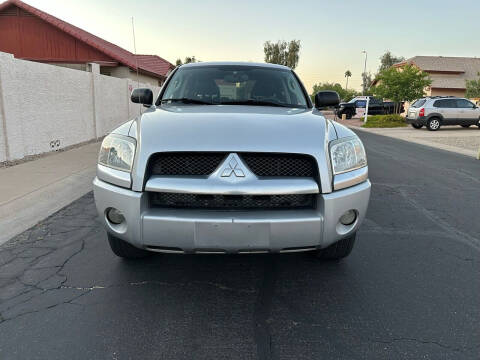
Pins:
<point x="333" y="33"/>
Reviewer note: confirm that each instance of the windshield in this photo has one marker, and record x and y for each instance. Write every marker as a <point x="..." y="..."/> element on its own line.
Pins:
<point x="235" y="85"/>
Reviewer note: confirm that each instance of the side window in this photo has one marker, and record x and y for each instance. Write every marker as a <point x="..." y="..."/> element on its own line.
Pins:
<point x="451" y="103"/>
<point x="445" y="103"/>
<point x="465" y="104"/>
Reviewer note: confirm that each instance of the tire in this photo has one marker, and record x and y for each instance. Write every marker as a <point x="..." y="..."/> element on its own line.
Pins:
<point x="433" y="124"/>
<point x="125" y="250"/>
<point x="338" y="250"/>
<point x="349" y="114"/>
<point x="417" y="126"/>
<point x="465" y="126"/>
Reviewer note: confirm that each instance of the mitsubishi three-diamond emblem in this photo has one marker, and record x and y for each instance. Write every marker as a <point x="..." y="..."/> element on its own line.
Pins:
<point x="233" y="167"/>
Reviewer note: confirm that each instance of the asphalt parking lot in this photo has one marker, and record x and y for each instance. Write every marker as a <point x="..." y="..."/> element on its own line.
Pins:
<point x="410" y="289"/>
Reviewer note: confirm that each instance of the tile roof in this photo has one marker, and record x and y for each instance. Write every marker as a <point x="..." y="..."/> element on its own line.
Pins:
<point x="446" y="71"/>
<point x="153" y="64"/>
<point x="443" y="63"/>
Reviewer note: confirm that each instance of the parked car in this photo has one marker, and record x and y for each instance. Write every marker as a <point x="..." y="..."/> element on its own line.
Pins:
<point x="434" y="112"/>
<point x="375" y="106"/>
<point x="232" y="158"/>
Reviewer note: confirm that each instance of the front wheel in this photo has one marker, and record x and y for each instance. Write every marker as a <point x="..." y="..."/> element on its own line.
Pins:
<point x="466" y="126"/>
<point x="338" y="250"/>
<point x="124" y="250"/>
<point x="417" y="126"/>
<point x="433" y="124"/>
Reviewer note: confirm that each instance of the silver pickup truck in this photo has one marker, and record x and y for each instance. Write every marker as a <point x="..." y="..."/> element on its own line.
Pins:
<point x="232" y="158"/>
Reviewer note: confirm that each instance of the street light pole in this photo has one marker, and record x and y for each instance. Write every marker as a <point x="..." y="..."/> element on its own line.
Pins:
<point x="364" y="73"/>
<point x="364" y="86"/>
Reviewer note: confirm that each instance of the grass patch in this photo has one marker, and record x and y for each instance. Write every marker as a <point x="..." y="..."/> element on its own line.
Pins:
<point x="385" y="121"/>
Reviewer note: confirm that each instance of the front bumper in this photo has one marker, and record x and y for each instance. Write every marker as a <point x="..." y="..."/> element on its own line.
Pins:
<point x="207" y="231"/>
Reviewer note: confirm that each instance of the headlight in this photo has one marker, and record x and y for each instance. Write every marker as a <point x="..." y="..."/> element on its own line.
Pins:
<point x="117" y="152"/>
<point x="347" y="154"/>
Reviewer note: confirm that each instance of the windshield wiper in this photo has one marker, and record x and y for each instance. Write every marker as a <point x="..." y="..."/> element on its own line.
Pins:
<point x="187" y="101"/>
<point x="255" y="102"/>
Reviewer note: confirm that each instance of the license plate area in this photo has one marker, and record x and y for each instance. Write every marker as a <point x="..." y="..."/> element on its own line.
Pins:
<point x="231" y="235"/>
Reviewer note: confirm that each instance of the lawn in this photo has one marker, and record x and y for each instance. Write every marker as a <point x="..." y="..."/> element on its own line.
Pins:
<point x="384" y="121"/>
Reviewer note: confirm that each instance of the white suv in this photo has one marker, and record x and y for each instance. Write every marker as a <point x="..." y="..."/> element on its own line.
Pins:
<point x="437" y="111"/>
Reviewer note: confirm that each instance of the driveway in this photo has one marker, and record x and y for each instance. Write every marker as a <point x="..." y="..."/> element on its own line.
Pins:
<point x="461" y="140"/>
<point x="410" y="289"/>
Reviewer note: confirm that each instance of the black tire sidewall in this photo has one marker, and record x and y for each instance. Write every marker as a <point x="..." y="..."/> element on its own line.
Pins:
<point x="124" y="250"/>
<point x="339" y="249"/>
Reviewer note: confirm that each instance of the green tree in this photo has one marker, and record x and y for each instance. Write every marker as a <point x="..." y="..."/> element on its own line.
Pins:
<point x="366" y="83"/>
<point x="473" y="88"/>
<point x="387" y="60"/>
<point x="345" y="95"/>
<point x="348" y="74"/>
<point x="406" y="84"/>
<point x="282" y="53"/>
<point x="188" y="59"/>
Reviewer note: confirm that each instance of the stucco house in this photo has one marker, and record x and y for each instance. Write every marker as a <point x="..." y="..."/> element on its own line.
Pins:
<point x="31" y="34"/>
<point x="448" y="73"/>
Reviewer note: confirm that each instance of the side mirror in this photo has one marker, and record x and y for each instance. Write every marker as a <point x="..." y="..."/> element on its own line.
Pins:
<point x="142" y="96"/>
<point x="326" y="98"/>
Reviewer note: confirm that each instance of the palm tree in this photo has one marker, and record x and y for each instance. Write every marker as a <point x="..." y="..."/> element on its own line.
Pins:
<point x="348" y="73"/>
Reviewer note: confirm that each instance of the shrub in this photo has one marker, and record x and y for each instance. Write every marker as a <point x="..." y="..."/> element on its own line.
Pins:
<point x="385" y="121"/>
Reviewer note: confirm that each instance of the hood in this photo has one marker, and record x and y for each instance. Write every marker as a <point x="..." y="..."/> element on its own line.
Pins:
<point x="230" y="128"/>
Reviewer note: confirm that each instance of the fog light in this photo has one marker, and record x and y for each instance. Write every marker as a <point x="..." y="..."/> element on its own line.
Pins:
<point x="349" y="217"/>
<point x="115" y="216"/>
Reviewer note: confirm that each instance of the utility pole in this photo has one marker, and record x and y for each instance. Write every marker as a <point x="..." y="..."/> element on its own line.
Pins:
<point x="364" y="85"/>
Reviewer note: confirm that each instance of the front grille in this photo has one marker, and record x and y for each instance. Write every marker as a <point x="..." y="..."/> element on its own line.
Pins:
<point x="185" y="163"/>
<point x="232" y="202"/>
<point x="268" y="164"/>
<point x="205" y="163"/>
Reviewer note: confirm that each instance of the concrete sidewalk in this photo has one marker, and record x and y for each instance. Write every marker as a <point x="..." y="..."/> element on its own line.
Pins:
<point x="31" y="191"/>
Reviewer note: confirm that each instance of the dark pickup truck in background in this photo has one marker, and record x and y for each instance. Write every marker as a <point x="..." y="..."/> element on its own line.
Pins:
<point x="375" y="106"/>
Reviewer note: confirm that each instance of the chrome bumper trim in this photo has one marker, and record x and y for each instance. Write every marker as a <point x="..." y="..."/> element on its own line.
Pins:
<point x="215" y="186"/>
